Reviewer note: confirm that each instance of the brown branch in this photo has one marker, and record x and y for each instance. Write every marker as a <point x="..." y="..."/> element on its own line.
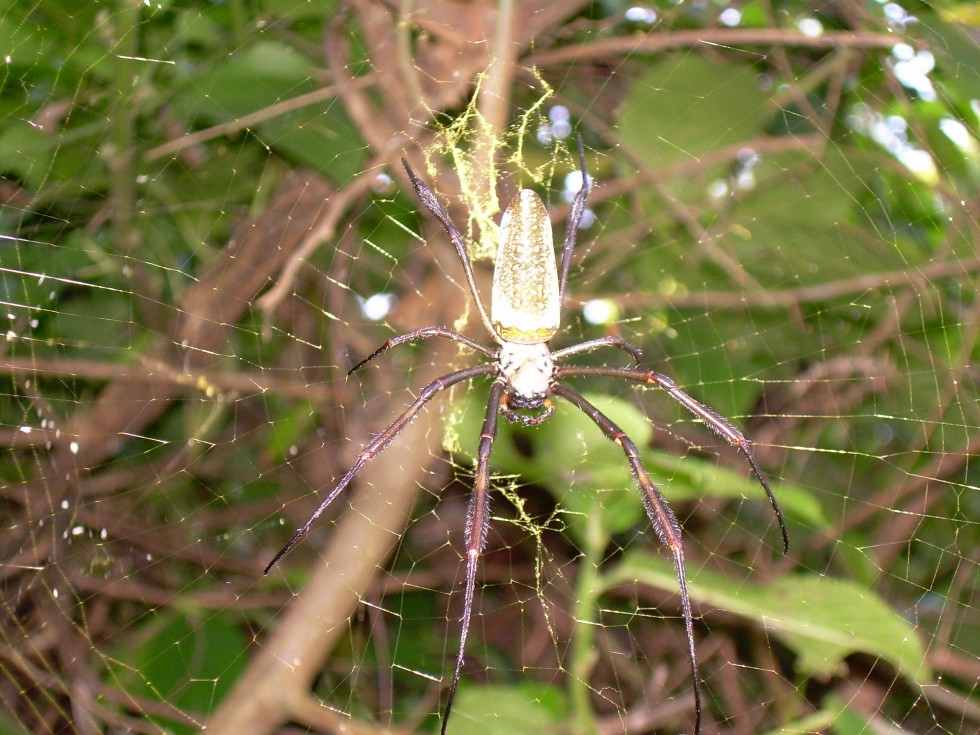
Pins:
<point x="242" y="383"/>
<point x="907" y="277"/>
<point x="724" y="37"/>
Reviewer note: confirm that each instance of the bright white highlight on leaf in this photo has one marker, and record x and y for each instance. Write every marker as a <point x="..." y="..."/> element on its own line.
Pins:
<point x="377" y="307"/>
<point x="810" y="27"/>
<point x="891" y="132"/>
<point x="745" y="176"/>
<point x="587" y="220"/>
<point x="573" y="184"/>
<point x="730" y="17"/>
<point x="958" y="133"/>
<point x="600" y="311"/>
<point x="912" y="69"/>
<point x="718" y="189"/>
<point x="639" y="14"/>
<point x="382" y="184"/>
<point x="558" y="127"/>
<point x="897" y="17"/>
<point x="559" y="113"/>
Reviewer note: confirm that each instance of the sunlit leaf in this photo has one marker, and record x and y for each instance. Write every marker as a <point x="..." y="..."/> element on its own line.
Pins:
<point x="822" y="619"/>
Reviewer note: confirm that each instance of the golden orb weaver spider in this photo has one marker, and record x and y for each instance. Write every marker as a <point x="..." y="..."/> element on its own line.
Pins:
<point x="526" y="300"/>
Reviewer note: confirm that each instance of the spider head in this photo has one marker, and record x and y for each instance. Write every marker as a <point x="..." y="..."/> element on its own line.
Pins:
<point x="529" y="370"/>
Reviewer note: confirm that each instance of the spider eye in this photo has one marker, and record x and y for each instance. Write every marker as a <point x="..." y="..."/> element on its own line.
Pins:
<point x="525" y="305"/>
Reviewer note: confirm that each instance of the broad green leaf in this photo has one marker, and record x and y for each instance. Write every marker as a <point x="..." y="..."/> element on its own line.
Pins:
<point x="797" y="209"/>
<point x="848" y="721"/>
<point x="10" y="726"/>
<point x="264" y="74"/>
<point x="822" y="619"/>
<point x="688" y="105"/>
<point x="188" y="662"/>
<point x="288" y="431"/>
<point x="957" y="51"/>
<point x="695" y="477"/>
<point x="504" y="710"/>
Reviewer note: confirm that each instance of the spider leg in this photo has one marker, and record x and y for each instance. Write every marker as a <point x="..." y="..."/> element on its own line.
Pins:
<point x="574" y="217"/>
<point x="661" y="516"/>
<point x="594" y="344"/>
<point x="422" y="334"/>
<point x="377" y="445"/>
<point x="477" y="523"/>
<point x="430" y="202"/>
<point x="717" y="423"/>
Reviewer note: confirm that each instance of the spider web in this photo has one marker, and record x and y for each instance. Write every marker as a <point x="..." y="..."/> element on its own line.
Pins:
<point x="205" y="225"/>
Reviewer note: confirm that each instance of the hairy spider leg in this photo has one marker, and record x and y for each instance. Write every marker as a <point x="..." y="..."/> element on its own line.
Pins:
<point x="378" y="444"/>
<point x="594" y="344"/>
<point x="477" y="524"/>
<point x="430" y="202"/>
<point x="574" y="218"/>
<point x="714" y="421"/>
<point x="661" y="517"/>
<point x="423" y="333"/>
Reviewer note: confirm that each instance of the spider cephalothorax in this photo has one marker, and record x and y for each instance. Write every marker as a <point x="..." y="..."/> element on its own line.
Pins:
<point x="525" y="311"/>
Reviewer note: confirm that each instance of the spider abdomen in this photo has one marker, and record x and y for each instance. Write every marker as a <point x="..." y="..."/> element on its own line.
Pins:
<point x="525" y="306"/>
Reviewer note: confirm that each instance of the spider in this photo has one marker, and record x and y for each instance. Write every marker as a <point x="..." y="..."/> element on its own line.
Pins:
<point x="526" y="301"/>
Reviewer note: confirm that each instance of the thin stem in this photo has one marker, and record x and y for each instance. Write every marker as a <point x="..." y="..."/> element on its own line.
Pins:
<point x="584" y="655"/>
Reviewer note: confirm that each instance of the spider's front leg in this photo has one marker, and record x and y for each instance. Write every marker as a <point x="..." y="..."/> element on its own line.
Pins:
<point x="377" y="445"/>
<point x="723" y="428"/>
<point x="422" y="333"/>
<point x="714" y="421"/>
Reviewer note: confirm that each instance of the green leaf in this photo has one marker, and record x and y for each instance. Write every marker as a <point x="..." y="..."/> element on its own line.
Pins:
<point x="848" y="721"/>
<point x="189" y="662"/>
<point x="288" y="431"/>
<point x="696" y="477"/>
<point x="958" y="54"/>
<point x="319" y="135"/>
<point x="504" y="710"/>
<point x="10" y="726"/>
<point x="688" y="105"/>
<point x="797" y="209"/>
<point x="822" y="619"/>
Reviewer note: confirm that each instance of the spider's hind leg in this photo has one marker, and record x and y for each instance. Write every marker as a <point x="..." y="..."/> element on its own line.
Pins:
<point x="477" y="524"/>
<point x="661" y="516"/>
